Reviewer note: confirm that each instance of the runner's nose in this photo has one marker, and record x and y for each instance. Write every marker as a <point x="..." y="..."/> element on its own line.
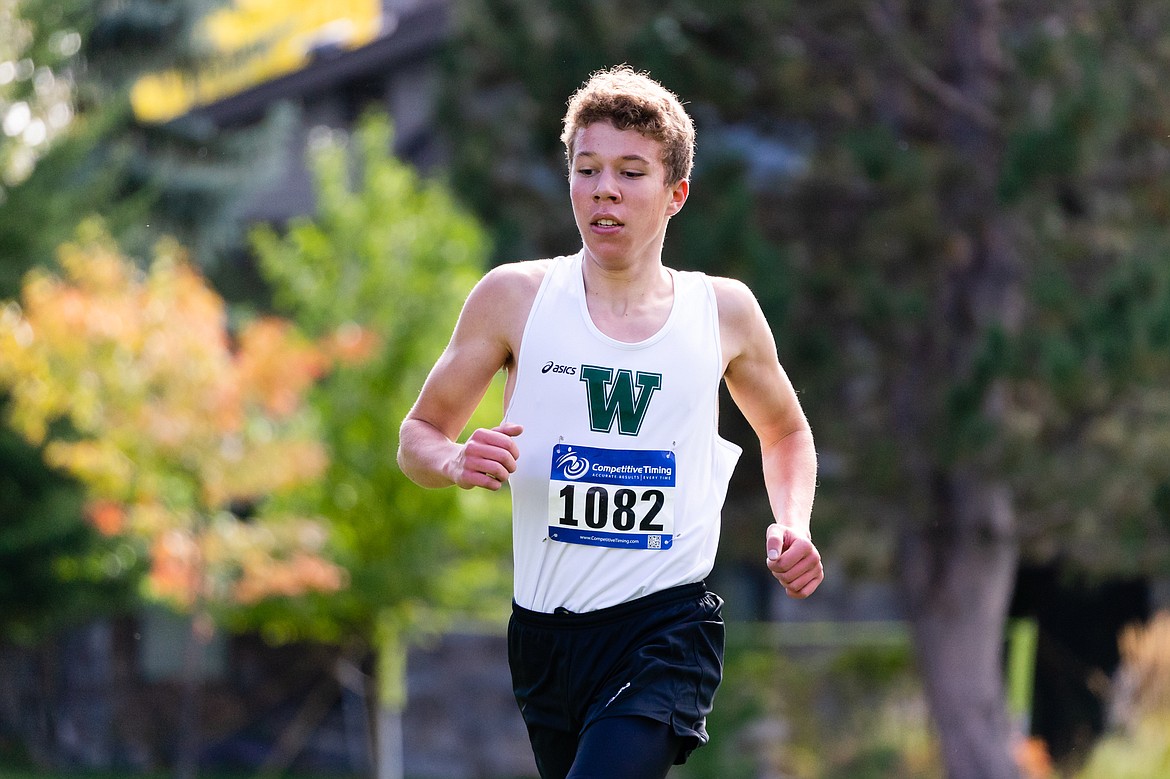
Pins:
<point x="606" y="188"/>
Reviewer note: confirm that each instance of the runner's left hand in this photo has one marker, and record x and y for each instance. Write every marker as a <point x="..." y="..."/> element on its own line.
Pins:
<point x="794" y="561"/>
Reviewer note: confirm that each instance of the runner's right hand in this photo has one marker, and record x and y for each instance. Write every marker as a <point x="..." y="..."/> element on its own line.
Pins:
<point x="488" y="458"/>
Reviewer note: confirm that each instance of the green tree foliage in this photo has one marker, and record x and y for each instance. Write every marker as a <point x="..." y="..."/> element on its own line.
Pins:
<point x="35" y="90"/>
<point x="860" y="225"/>
<point x="396" y="256"/>
<point x="1085" y="171"/>
<point x="953" y="214"/>
<point x="185" y="178"/>
<point x="193" y="174"/>
<point x="132" y="384"/>
<point x="58" y="570"/>
<point x="393" y="255"/>
<point x="65" y="71"/>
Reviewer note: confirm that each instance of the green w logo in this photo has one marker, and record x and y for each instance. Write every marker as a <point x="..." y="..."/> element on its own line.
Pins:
<point x="611" y="398"/>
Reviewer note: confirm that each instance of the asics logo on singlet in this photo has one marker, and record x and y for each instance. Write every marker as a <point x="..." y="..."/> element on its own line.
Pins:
<point x="618" y="396"/>
<point x="572" y="465"/>
<point x="552" y="367"/>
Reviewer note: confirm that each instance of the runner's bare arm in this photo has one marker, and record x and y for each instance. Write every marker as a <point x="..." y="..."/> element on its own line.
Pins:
<point x="485" y="340"/>
<point x="764" y="394"/>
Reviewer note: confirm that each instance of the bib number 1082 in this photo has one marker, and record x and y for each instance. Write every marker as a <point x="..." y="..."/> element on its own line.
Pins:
<point x="621" y="509"/>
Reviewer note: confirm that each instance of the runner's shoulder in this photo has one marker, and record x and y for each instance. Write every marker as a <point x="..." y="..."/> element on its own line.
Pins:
<point x="515" y="281"/>
<point x="503" y="297"/>
<point x="741" y="321"/>
<point x="736" y="302"/>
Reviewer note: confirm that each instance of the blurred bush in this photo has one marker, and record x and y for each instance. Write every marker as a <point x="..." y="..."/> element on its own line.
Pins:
<point x="1139" y="745"/>
<point x="852" y="711"/>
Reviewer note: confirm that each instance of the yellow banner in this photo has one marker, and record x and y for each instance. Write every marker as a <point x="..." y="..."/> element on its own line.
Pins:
<point x="260" y="40"/>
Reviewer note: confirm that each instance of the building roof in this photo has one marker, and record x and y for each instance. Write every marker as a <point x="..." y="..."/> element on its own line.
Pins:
<point x="408" y="35"/>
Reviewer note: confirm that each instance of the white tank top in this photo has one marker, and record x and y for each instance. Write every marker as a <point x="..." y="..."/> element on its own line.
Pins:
<point x="622" y="472"/>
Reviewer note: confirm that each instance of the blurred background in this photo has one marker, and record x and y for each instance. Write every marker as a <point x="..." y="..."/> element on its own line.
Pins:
<point x="235" y="234"/>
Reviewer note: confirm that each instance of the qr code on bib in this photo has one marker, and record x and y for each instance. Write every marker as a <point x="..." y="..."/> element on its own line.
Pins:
<point x="653" y="542"/>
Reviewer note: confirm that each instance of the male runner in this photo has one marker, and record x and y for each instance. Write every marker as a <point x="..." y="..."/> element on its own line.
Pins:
<point x="610" y="445"/>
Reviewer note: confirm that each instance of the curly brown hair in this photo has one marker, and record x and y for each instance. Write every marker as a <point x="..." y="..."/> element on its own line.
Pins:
<point x="631" y="100"/>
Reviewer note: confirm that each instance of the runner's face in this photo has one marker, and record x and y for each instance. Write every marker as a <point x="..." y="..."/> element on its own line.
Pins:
<point x="621" y="201"/>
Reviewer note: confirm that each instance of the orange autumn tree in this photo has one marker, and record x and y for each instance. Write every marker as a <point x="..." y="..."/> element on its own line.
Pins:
<point x="132" y="382"/>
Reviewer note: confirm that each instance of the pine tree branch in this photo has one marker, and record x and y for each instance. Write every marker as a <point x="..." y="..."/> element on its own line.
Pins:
<point x="923" y="77"/>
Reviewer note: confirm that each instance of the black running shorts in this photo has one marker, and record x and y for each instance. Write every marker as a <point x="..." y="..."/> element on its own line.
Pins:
<point x="660" y="656"/>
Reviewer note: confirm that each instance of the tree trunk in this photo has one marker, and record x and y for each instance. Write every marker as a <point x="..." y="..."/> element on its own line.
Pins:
<point x="958" y="575"/>
<point x="959" y="567"/>
<point x="26" y="700"/>
<point x="391" y="756"/>
<point x="390" y="701"/>
<point x="84" y="729"/>
<point x="187" y="757"/>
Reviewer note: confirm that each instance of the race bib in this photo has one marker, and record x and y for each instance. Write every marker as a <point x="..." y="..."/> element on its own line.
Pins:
<point x="616" y="498"/>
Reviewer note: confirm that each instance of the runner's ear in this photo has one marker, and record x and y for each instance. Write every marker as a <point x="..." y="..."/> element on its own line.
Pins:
<point x="678" y="196"/>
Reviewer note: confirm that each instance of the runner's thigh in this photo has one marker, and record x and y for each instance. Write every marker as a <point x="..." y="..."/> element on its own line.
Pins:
<point x="626" y="748"/>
